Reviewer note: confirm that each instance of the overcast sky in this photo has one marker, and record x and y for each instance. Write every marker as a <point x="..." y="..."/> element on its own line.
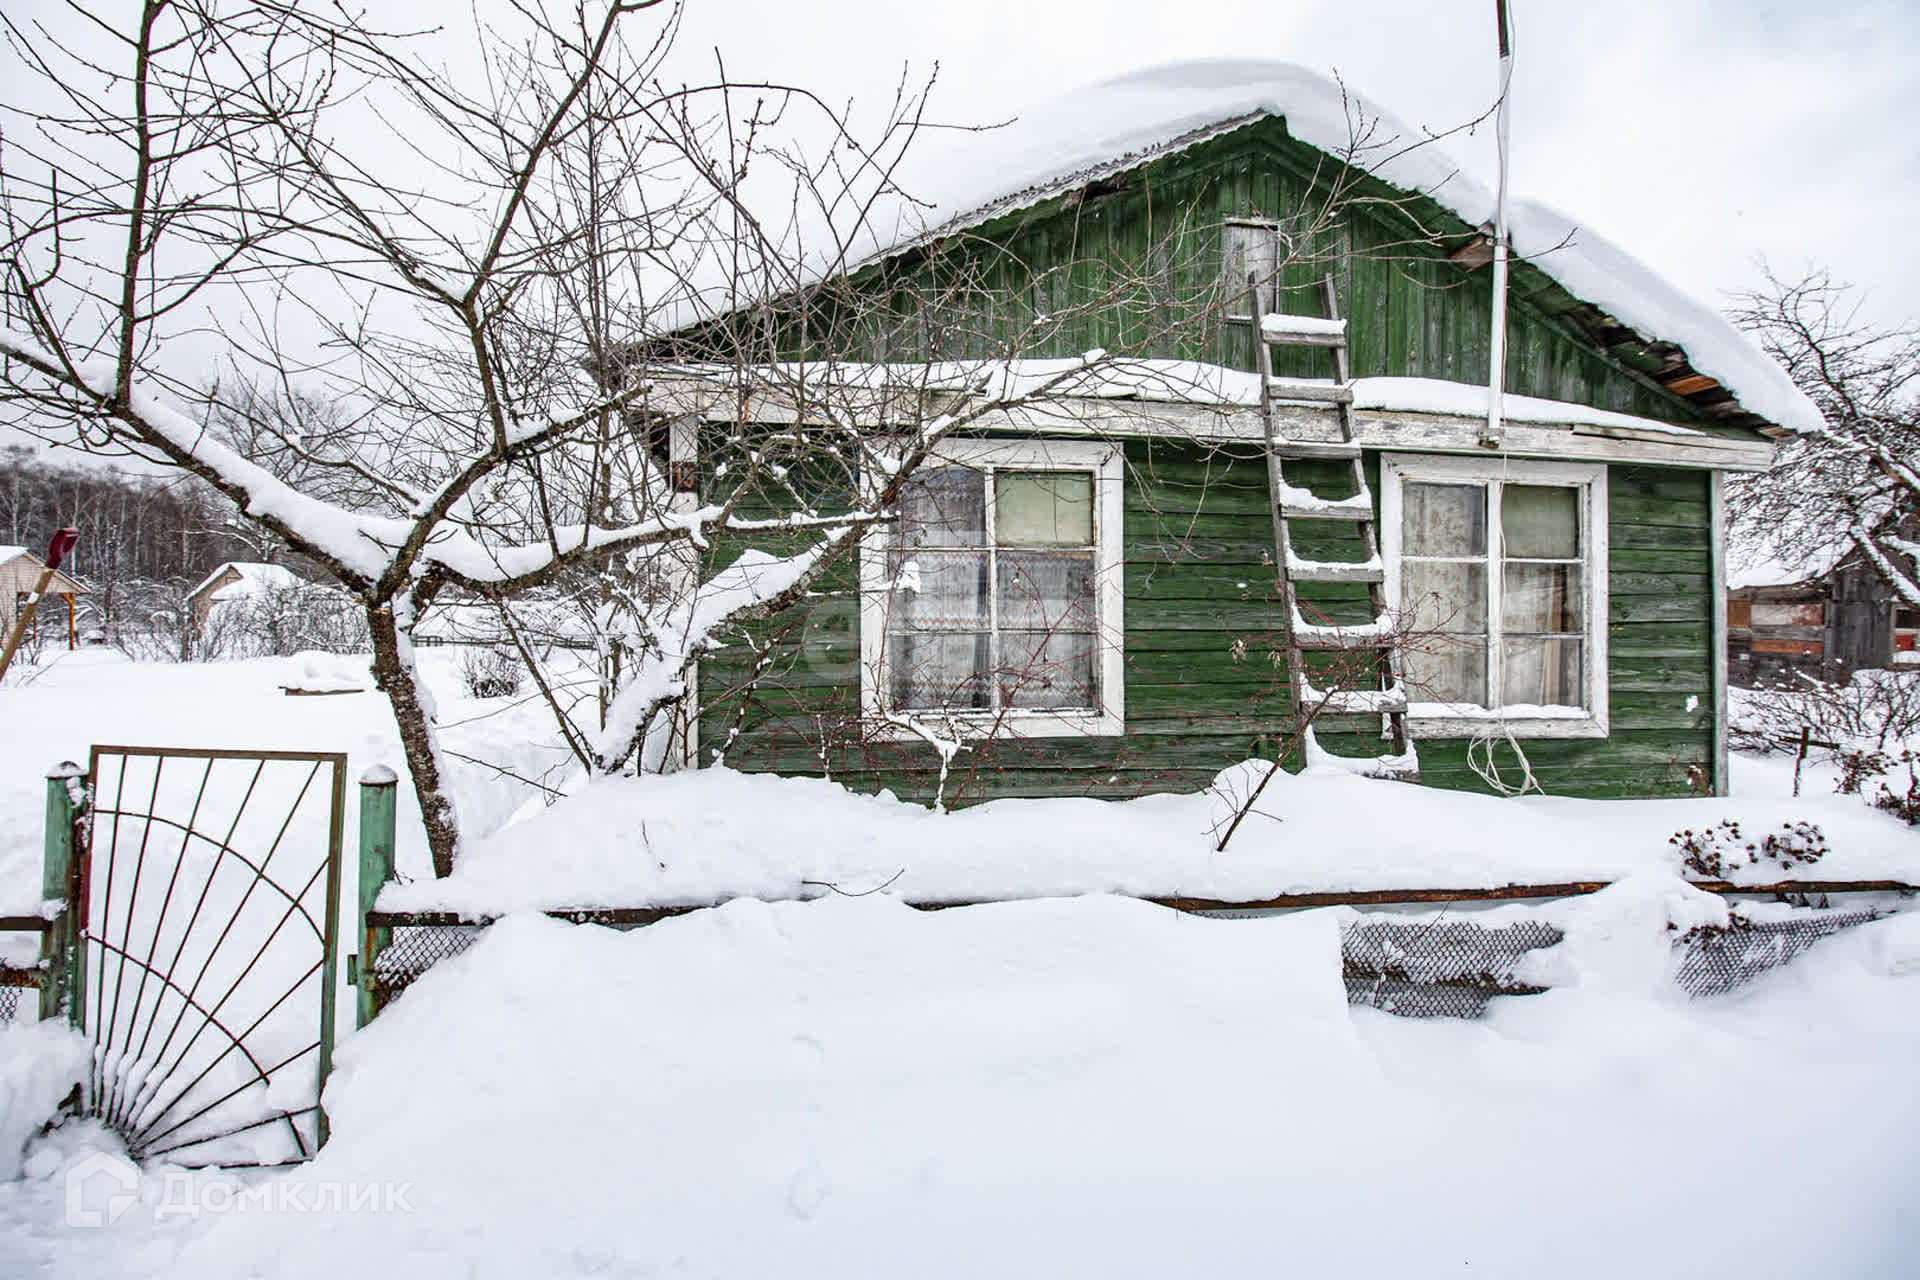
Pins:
<point x="1702" y="135"/>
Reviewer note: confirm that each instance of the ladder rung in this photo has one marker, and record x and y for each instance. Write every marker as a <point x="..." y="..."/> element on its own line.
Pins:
<point x="1327" y="511"/>
<point x="1336" y="571"/>
<point x="1337" y="450"/>
<point x="1401" y="768"/>
<point x="1353" y="702"/>
<point x="1288" y="337"/>
<point x="1332" y="640"/>
<point x="1312" y="390"/>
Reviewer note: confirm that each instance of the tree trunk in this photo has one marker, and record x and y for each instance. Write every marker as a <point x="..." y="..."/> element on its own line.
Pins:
<point x="395" y="676"/>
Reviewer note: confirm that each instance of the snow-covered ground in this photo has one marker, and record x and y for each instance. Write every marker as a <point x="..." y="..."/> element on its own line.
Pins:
<point x="1091" y="1087"/>
<point x="1081" y="1085"/>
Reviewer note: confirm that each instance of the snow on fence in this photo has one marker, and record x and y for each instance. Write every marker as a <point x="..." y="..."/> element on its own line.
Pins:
<point x="1414" y="968"/>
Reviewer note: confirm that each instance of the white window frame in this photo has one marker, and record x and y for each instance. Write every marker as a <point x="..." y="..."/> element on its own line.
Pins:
<point x="1104" y="461"/>
<point x="1445" y="720"/>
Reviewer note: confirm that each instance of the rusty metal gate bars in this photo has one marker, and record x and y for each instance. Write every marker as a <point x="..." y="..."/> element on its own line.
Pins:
<point x="224" y="976"/>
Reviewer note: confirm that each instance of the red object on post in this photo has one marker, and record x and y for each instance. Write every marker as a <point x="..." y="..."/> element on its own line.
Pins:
<point x="59" y="544"/>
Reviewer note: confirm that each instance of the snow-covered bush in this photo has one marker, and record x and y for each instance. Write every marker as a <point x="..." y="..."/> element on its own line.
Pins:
<point x="490" y="671"/>
<point x="1718" y="851"/>
<point x="277" y="621"/>
<point x="1904" y="805"/>
<point x="1873" y="711"/>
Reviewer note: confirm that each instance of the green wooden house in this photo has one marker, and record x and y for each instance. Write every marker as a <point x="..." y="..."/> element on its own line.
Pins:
<point x="1085" y="599"/>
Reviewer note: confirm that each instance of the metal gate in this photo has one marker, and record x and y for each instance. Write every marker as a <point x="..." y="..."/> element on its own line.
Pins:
<point x="206" y="906"/>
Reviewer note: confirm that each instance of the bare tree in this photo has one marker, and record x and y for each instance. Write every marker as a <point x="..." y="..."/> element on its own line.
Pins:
<point x="1854" y="485"/>
<point x="477" y="335"/>
<point x="486" y="313"/>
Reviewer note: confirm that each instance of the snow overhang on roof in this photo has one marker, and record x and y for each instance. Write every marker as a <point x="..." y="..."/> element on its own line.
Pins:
<point x="1102" y="130"/>
<point x="254" y="577"/>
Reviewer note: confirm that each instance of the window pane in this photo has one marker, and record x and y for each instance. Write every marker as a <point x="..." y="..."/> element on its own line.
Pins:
<point x="938" y="591"/>
<point x="1445" y="597"/>
<point x="1440" y="668"/>
<point x="930" y="670"/>
<point x="1541" y="597"/>
<point x="945" y="507"/>
<point x="1043" y="508"/>
<point x="1045" y="589"/>
<point x="1046" y="670"/>
<point x="1542" y="672"/>
<point x="1444" y="520"/>
<point x="1540" y="522"/>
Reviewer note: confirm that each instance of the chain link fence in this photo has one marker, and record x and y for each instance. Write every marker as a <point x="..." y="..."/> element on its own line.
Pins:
<point x="19" y="983"/>
<point x="1437" y="968"/>
<point x="413" y="950"/>
<point x="12" y="983"/>
<point x="1714" y="961"/>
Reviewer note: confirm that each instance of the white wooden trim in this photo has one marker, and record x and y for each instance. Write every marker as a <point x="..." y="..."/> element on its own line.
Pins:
<point x="1109" y="719"/>
<point x="1717" y="513"/>
<point x="1591" y="480"/>
<point x="1116" y="418"/>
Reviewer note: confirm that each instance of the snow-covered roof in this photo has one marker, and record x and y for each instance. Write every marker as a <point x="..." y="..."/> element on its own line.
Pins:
<point x="254" y="578"/>
<point x="1760" y="563"/>
<point x="11" y="552"/>
<point x="1114" y="125"/>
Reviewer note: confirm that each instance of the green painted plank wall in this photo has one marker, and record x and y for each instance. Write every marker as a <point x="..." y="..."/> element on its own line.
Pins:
<point x="1413" y="312"/>
<point x="1204" y="685"/>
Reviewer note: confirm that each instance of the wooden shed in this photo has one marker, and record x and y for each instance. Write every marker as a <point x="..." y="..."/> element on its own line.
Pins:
<point x="1827" y="625"/>
<point x="20" y="571"/>
<point x="1124" y="543"/>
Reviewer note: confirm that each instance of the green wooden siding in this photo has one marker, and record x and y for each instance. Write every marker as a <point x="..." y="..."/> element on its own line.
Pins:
<point x="1204" y="686"/>
<point x="1197" y="588"/>
<point x="1412" y="311"/>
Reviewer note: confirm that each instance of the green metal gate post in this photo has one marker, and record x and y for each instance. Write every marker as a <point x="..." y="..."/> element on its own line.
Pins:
<point x="63" y="957"/>
<point x="378" y="788"/>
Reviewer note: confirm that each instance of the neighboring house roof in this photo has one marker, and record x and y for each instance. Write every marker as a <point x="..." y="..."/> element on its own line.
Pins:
<point x="1107" y="128"/>
<point x="74" y="586"/>
<point x="1756" y="563"/>
<point x="253" y="579"/>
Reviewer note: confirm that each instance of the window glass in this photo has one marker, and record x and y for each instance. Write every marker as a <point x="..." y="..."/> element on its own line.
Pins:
<point x="934" y="669"/>
<point x="944" y="507"/>
<point x="1046" y="589"/>
<point x="1046" y="670"/>
<point x="1445" y="596"/>
<point x="1540" y="522"/>
<point x="937" y="590"/>
<point x="1542" y="672"/>
<point x="1446" y="658"/>
<point x="1043" y="508"/>
<point x="1541" y="597"/>
<point x="1445" y="520"/>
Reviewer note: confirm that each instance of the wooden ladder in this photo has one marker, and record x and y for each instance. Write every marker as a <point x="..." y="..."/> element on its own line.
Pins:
<point x="1387" y="698"/>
